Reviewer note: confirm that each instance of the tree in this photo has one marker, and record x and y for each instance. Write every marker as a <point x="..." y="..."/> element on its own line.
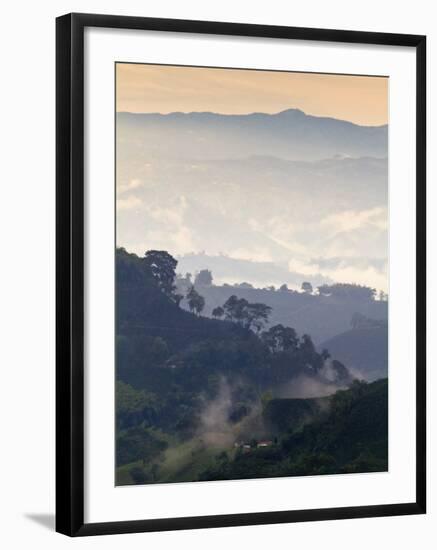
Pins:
<point x="203" y="278"/>
<point x="196" y="302"/>
<point x="248" y="315"/>
<point x="358" y="320"/>
<point x="200" y="304"/>
<point x="163" y="268"/>
<point x="283" y="288"/>
<point x="361" y="321"/>
<point x="188" y="277"/>
<point x="348" y="291"/>
<point x="307" y="287"/>
<point x="234" y="308"/>
<point x="279" y="338"/>
<point x="218" y="312"/>
<point x="309" y="354"/>
<point x="243" y="285"/>
<point x="133" y="406"/>
<point x="342" y="375"/>
<point x="257" y="315"/>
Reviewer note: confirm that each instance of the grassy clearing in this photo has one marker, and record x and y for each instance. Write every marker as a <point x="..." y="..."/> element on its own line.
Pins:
<point x="180" y="463"/>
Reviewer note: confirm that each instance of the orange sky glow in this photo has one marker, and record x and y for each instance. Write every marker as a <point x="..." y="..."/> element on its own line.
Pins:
<point x="164" y="89"/>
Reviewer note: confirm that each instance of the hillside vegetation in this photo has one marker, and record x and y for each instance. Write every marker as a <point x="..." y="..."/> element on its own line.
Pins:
<point x="201" y="398"/>
<point x="347" y="434"/>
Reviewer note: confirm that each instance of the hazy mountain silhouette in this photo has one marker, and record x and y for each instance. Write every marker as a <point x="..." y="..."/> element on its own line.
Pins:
<point x="290" y="189"/>
<point x="290" y="134"/>
<point x="323" y="317"/>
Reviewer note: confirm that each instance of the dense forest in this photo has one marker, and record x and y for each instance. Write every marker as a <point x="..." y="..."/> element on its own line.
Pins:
<point x="233" y="395"/>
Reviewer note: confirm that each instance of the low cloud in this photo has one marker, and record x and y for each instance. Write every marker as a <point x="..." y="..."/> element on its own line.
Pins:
<point x="130" y="186"/>
<point x="363" y="271"/>
<point x="254" y="254"/>
<point x="129" y="203"/>
<point x="351" y="220"/>
<point x="304" y="387"/>
<point x="170" y="216"/>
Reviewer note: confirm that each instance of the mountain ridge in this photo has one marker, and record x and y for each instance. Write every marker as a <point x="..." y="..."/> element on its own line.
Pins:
<point x="284" y="113"/>
<point x="290" y="134"/>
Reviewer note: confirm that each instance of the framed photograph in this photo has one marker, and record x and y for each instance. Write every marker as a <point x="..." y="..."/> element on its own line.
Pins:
<point x="240" y="274"/>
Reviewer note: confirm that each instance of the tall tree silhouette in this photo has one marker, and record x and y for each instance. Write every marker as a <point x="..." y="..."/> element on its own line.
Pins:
<point x="248" y="315"/>
<point x="163" y="268"/>
<point x="203" y="278"/>
<point x="218" y="312"/>
<point x="196" y="302"/>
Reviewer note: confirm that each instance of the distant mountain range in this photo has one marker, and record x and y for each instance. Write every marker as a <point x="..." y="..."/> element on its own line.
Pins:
<point x="303" y="194"/>
<point x="290" y="134"/>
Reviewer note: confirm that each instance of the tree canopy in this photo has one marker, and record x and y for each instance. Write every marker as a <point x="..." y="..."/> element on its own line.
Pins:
<point x="196" y="302"/>
<point x="163" y="268"/>
<point x="280" y="338"/>
<point x="249" y="315"/>
<point x="218" y="312"/>
<point x="203" y="278"/>
<point x="348" y="291"/>
<point x="307" y="287"/>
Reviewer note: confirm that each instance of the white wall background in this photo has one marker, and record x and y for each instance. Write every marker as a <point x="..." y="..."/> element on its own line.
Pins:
<point x="27" y="123"/>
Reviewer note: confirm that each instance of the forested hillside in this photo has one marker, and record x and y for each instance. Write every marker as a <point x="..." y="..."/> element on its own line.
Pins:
<point x="345" y="433"/>
<point x="199" y="397"/>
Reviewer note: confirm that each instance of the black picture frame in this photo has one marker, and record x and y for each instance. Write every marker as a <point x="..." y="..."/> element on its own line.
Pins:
<point x="70" y="273"/>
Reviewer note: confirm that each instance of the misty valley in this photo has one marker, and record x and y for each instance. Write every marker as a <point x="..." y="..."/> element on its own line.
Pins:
<point x="237" y="381"/>
<point x="250" y="340"/>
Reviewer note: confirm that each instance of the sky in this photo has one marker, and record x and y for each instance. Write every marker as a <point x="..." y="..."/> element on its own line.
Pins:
<point x="313" y="217"/>
<point x="165" y="89"/>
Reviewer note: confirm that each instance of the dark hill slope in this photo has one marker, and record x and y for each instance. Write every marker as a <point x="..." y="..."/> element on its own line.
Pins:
<point x="152" y="332"/>
<point x="143" y="309"/>
<point x="357" y="420"/>
<point x="345" y="433"/>
<point x="282" y="415"/>
<point x="160" y="345"/>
